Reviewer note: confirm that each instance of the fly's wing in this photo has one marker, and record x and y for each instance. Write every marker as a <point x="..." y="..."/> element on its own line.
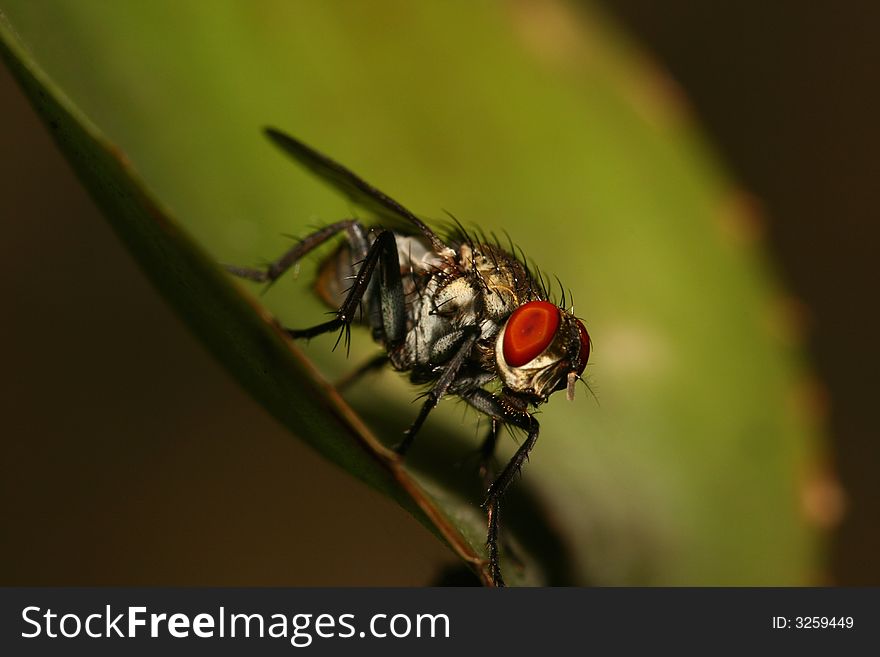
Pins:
<point x="359" y="191"/>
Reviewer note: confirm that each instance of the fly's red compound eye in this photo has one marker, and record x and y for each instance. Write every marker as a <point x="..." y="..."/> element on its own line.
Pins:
<point x="530" y="330"/>
<point x="584" y="354"/>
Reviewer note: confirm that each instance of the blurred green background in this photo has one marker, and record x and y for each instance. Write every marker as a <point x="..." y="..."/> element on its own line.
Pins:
<point x="133" y="458"/>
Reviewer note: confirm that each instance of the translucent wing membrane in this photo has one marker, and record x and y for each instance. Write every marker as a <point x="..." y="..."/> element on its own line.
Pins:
<point x="358" y="190"/>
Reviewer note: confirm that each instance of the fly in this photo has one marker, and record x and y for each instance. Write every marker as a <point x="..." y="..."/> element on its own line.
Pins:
<point x="463" y="315"/>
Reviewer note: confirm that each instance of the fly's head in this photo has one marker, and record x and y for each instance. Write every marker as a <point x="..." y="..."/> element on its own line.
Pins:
<point x="541" y="349"/>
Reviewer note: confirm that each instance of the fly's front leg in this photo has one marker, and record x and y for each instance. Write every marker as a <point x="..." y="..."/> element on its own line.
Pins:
<point x="493" y="514"/>
<point x="467" y="339"/>
<point x="500" y="409"/>
<point x="496" y="538"/>
<point x="513" y="467"/>
<point x="294" y="254"/>
<point x="509" y="413"/>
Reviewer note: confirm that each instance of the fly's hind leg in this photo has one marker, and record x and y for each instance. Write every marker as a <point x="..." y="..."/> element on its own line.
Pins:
<point x="299" y="250"/>
<point x="493" y="516"/>
<point x="487" y="454"/>
<point x="501" y="410"/>
<point x="388" y="317"/>
<point x="382" y="253"/>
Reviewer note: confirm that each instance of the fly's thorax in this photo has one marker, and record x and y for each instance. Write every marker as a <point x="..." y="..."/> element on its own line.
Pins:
<point x="435" y="305"/>
<point x="457" y="298"/>
<point x="541" y="348"/>
<point x="501" y="278"/>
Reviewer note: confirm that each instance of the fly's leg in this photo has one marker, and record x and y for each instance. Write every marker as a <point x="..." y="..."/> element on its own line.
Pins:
<point x="389" y="325"/>
<point x="387" y="305"/>
<point x="292" y="255"/>
<point x="377" y="362"/>
<point x="493" y="514"/>
<point x="382" y="254"/>
<point x="513" y="467"/>
<point x="487" y="472"/>
<point x="499" y="408"/>
<point x="487" y="451"/>
<point x="509" y="413"/>
<point x="468" y="338"/>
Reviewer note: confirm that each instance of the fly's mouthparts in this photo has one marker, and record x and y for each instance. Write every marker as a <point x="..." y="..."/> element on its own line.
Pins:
<point x="572" y="381"/>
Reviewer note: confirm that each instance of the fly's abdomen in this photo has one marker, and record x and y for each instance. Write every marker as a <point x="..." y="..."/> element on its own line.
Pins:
<point x="335" y="276"/>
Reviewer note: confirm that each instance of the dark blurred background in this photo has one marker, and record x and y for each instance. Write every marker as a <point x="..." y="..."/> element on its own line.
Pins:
<point x="788" y="93"/>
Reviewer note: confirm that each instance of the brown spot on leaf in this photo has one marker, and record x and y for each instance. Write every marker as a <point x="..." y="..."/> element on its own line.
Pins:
<point x="823" y="500"/>
<point x="809" y="399"/>
<point x="550" y="30"/>
<point x="740" y="218"/>
<point x="655" y="94"/>
<point x="787" y="319"/>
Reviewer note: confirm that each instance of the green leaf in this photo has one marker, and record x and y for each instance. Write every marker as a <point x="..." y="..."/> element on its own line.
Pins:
<point x="244" y="337"/>
<point x="525" y="117"/>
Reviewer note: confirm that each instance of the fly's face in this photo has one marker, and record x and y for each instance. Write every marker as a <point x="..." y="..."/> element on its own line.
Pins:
<point x="542" y="348"/>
